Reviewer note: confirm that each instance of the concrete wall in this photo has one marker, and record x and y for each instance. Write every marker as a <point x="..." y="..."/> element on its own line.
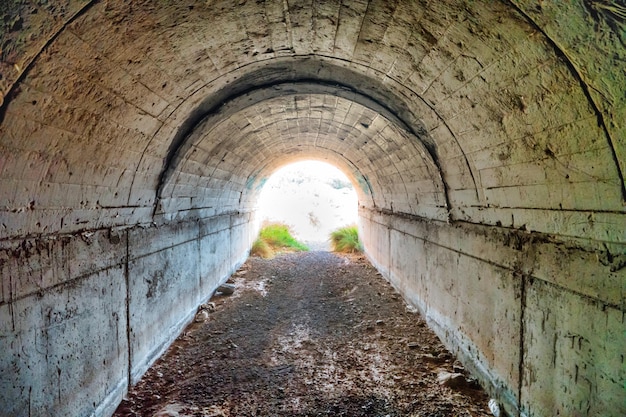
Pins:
<point x="81" y="314"/>
<point x="499" y="113"/>
<point x="540" y="321"/>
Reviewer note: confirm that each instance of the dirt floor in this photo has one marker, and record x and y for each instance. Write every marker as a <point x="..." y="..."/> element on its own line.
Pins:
<point x="307" y="334"/>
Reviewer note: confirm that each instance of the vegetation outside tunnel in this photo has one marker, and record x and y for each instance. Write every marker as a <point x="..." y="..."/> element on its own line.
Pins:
<point x="346" y="240"/>
<point x="274" y="237"/>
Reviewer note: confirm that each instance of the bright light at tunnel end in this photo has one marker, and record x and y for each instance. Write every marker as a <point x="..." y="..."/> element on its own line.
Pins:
<point x="312" y="197"/>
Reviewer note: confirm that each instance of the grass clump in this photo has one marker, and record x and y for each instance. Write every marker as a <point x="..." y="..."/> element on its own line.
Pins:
<point x="262" y="249"/>
<point x="273" y="237"/>
<point x="278" y="235"/>
<point x="346" y="240"/>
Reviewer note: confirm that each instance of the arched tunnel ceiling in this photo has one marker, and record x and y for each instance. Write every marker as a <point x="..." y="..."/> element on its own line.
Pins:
<point x="492" y="112"/>
<point x="233" y="154"/>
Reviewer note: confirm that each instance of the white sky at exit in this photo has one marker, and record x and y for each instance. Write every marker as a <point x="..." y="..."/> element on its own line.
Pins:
<point x="312" y="197"/>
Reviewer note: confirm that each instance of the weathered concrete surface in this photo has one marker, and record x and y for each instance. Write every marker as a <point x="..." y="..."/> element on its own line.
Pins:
<point x="494" y="119"/>
<point x="163" y="293"/>
<point x="82" y="313"/>
<point x="64" y="350"/>
<point x="482" y="117"/>
<point x="541" y="321"/>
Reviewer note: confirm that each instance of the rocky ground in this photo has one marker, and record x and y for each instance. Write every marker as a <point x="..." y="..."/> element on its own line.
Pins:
<point x="307" y="334"/>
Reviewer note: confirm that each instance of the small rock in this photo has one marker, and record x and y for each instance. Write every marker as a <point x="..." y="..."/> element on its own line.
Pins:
<point x="379" y="322"/>
<point x="413" y="345"/>
<point x="412" y="310"/>
<point x="444" y="356"/>
<point x="451" y="379"/>
<point x="427" y="356"/>
<point x="494" y="407"/>
<point x="170" y="410"/>
<point x="210" y="307"/>
<point x="201" y="316"/>
<point x="226" y="289"/>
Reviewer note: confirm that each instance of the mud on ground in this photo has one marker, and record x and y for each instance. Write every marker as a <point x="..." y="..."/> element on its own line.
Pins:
<point x="306" y="334"/>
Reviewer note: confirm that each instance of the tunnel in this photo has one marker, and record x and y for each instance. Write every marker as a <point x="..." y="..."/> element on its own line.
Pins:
<point x="486" y="141"/>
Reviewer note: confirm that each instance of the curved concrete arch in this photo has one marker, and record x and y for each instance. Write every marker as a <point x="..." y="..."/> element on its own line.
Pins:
<point x="491" y="112"/>
<point x="472" y="151"/>
<point x="267" y="96"/>
<point x="297" y="76"/>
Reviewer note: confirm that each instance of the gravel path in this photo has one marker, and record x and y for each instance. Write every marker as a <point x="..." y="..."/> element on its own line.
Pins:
<point x="306" y="334"/>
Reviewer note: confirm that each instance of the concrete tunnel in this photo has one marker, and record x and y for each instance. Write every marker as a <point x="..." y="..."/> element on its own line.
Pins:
<point x="486" y="141"/>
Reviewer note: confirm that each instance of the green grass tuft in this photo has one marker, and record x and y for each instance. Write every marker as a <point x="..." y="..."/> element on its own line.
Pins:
<point x="278" y="235"/>
<point x="273" y="237"/>
<point x="346" y="240"/>
<point x="262" y="249"/>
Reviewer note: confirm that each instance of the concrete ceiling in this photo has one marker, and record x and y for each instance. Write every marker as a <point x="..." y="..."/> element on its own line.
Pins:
<point x="507" y="113"/>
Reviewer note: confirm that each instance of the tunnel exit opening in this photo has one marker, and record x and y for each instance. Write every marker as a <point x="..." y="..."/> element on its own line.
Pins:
<point x="312" y="197"/>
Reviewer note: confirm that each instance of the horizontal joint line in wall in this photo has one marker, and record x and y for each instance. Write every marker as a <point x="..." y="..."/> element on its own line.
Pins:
<point x="55" y="236"/>
<point x="549" y="209"/>
<point x="511" y="269"/>
<point x="543" y="236"/>
<point x="405" y="215"/>
<point x="69" y="209"/>
<point x="69" y="282"/>
<point x="603" y="303"/>
<point x="195" y="238"/>
<point x="122" y="207"/>
<point x="192" y="209"/>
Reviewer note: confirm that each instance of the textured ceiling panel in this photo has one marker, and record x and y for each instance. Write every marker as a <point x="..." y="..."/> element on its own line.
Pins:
<point x="506" y="113"/>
